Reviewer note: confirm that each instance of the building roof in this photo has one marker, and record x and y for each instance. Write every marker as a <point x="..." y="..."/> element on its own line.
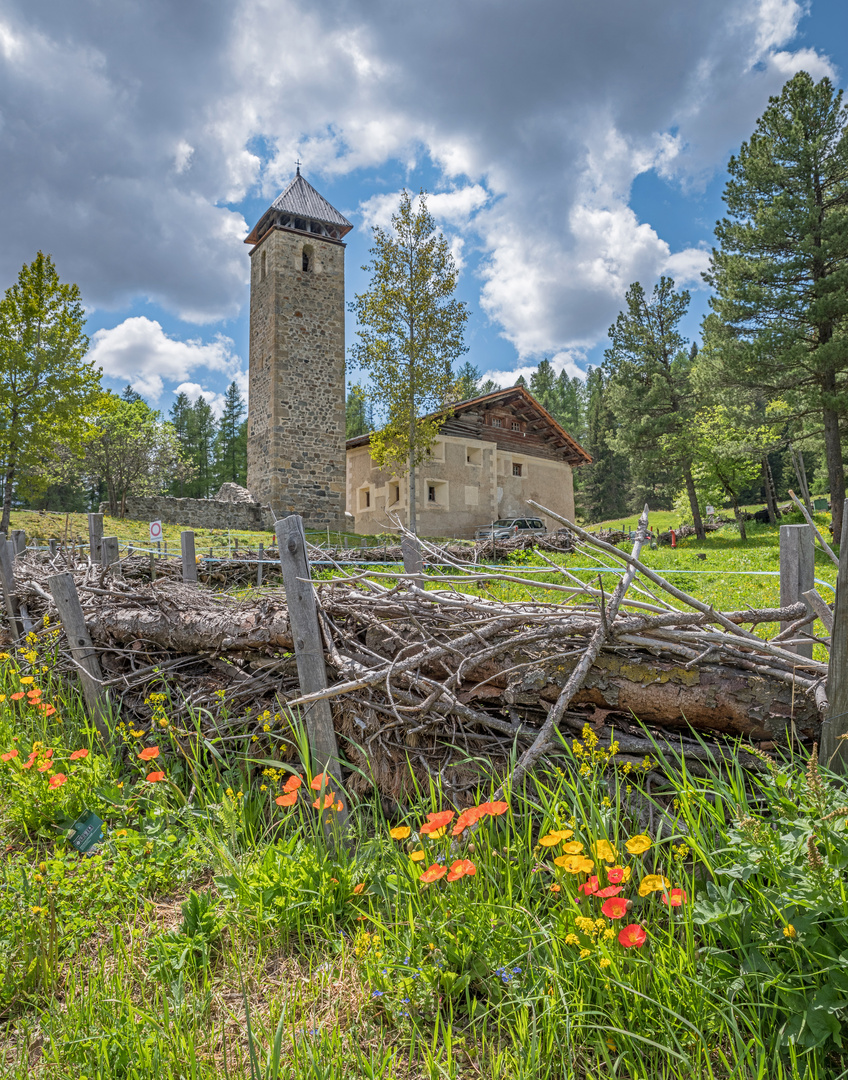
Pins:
<point x="522" y="402"/>
<point x="300" y="199"/>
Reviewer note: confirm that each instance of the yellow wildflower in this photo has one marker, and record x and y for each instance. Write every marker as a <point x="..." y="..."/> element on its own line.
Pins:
<point x="400" y="832"/>
<point x="584" y="953"/>
<point x="27" y="679"/>
<point x="604" y="962"/>
<point x="789" y="931"/>
<point x="638" y="845"/>
<point x="653" y="883"/>
<point x="417" y="856"/>
<point x="603" y="849"/>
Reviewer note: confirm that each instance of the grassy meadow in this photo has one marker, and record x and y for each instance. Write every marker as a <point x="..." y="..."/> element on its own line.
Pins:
<point x="590" y="925"/>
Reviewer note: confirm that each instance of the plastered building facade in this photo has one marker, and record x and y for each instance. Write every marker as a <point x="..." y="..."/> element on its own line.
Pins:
<point x="493" y="454"/>
<point x="296" y="408"/>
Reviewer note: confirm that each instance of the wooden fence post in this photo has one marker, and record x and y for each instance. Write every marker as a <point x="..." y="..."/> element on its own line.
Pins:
<point x="66" y="599"/>
<point x="797" y="572"/>
<point x="308" y="645"/>
<point x="54" y="547"/>
<point x="413" y="560"/>
<point x="19" y="540"/>
<point x="95" y="536"/>
<point x="7" y="583"/>
<point x="834" y="745"/>
<point x="108" y="550"/>
<point x="188" y="555"/>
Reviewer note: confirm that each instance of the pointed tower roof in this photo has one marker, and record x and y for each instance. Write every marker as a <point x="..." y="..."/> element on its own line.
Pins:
<point x="301" y="207"/>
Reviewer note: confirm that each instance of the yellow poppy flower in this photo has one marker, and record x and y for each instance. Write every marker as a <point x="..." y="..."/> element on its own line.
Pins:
<point x="574" y="848"/>
<point x="604" y="850"/>
<point x="638" y="845"/>
<point x="551" y="840"/>
<point x="400" y="833"/>
<point x="574" y="864"/>
<point x="417" y="856"/>
<point x="563" y="834"/>
<point x="653" y="883"/>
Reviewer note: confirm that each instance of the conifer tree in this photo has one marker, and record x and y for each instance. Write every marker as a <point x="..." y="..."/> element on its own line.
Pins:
<point x="603" y="485"/>
<point x="780" y="270"/>
<point x="179" y="417"/>
<point x="231" y="440"/>
<point x="357" y="420"/>
<point x="467" y="382"/>
<point x="200" y="437"/>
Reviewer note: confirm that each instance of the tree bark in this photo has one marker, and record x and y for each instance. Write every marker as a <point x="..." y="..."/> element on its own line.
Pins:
<point x="835" y="468"/>
<point x="768" y="488"/>
<point x="700" y="532"/>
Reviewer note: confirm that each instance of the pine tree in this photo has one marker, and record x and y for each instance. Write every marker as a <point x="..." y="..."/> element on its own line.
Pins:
<point x="200" y="438"/>
<point x="780" y="271"/>
<point x="46" y="384"/>
<point x="231" y="440"/>
<point x="356" y="412"/>
<point x="603" y="485"/>
<point x="411" y="330"/>
<point x="543" y="387"/>
<point x="467" y="382"/>
<point x="130" y="394"/>
<point x="179" y="417"/>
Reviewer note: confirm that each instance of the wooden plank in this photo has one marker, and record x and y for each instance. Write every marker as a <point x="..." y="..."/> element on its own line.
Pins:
<point x="95" y="536"/>
<point x="65" y="596"/>
<point x="189" y="556"/>
<point x="812" y="525"/>
<point x="54" y="547"/>
<point x="834" y="743"/>
<point x="413" y="560"/>
<point x="7" y="584"/>
<point x="308" y="645"/>
<point x="108" y="550"/>
<point x="18" y="538"/>
<point x="797" y="572"/>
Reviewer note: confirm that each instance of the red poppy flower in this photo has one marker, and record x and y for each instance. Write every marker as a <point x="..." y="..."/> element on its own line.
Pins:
<point x="319" y="781"/>
<point x="18" y="696"/>
<point x="154" y="777"/>
<point x="45" y="766"/>
<point x="48" y="752"/>
<point x="589" y="887"/>
<point x="433" y="873"/>
<point x="615" y="907"/>
<point x="674" y="897"/>
<point x="8" y="757"/>
<point x="30" y="761"/>
<point x="33" y="694"/>
<point x="632" y="935"/>
<point x="615" y="875"/>
<point x="57" y="780"/>
<point x="329" y="801"/>
<point x="493" y="808"/>
<point x="610" y="890"/>
<point x="437" y="821"/>
<point x="149" y="753"/>
<point x="461" y="868"/>
<point x="48" y="710"/>
<point x="357" y="889"/>
<point x="293" y="783"/>
<point x="289" y="799"/>
<point x="555" y="887"/>
<point x="466" y="818"/>
<point x="78" y="754"/>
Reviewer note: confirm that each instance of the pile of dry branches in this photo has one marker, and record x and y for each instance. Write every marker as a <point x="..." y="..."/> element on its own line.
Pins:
<point x="437" y="679"/>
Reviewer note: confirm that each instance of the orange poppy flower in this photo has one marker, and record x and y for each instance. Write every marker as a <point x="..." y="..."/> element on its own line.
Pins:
<point x="632" y="935"/>
<point x="329" y="801"/>
<point x="48" y="710"/>
<point x="675" y="897"/>
<point x="461" y="868"/>
<point x="555" y="887"/>
<point x="57" y="780"/>
<point x="493" y="808"/>
<point x="610" y="890"/>
<point x="8" y="757"/>
<point x="433" y="873"/>
<point x="615" y="907"/>
<point x="18" y="695"/>
<point x="357" y="889"/>
<point x="30" y="761"/>
<point x="319" y="781"/>
<point x="293" y="783"/>
<point x="149" y="753"/>
<point x="289" y="799"/>
<point x="78" y="754"/>
<point x="437" y="821"/>
<point x="154" y="777"/>
<point x="589" y="887"/>
<point x="466" y="818"/>
<point x="33" y="694"/>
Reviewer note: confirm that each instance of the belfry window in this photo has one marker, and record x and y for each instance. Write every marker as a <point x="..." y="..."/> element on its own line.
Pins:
<point x="307" y="257"/>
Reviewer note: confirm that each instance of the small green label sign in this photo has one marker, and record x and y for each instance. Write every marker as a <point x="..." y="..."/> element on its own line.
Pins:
<point x="85" y="832"/>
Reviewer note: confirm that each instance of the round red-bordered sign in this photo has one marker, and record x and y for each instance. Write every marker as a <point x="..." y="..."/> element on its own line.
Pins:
<point x="155" y="530"/>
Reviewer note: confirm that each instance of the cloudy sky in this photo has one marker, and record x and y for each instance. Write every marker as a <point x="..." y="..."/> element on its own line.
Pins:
<point x="570" y="149"/>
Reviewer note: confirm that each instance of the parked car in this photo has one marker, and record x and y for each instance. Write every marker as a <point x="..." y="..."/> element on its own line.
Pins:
<point x="506" y="528"/>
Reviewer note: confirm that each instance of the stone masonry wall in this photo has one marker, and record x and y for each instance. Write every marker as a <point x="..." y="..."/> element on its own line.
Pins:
<point x="296" y="408"/>
<point x="199" y="513"/>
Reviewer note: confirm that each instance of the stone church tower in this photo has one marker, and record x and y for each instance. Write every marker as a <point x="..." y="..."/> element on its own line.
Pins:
<point x="296" y="403"/>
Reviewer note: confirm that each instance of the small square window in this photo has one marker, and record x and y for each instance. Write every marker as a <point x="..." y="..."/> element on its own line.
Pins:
<point x="516" y="469"/>
<point x="496" y="421"/>
<point x="516" y="426"/>
<point x="431" y="493"/>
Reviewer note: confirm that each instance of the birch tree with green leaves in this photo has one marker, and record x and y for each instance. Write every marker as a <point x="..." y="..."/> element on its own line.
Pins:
<point x="410" y="331"/>
<point x="46" y="384"/>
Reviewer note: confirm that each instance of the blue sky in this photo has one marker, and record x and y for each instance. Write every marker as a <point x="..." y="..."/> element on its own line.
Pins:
<point x="569" y="152"/>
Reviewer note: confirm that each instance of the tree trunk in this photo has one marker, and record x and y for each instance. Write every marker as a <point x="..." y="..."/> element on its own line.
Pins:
<point x="768" y="488"/>
<point x="7" y="496"/>
<point x="740" y="521"/>
<point x="835" y="468"/>
<point x="693" y="503"/>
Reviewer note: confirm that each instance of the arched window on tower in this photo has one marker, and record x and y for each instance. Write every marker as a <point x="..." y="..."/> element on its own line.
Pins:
<point x="307" y="258"/>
